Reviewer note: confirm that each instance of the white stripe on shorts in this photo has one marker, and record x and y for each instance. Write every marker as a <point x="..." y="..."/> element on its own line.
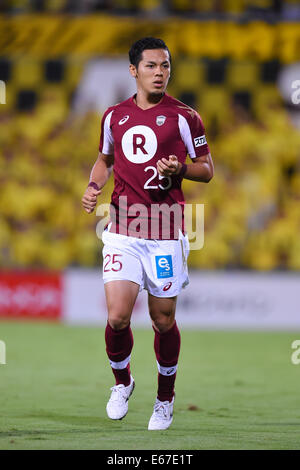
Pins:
<point x="166" y="370"/>
<point x="121" y="364"/>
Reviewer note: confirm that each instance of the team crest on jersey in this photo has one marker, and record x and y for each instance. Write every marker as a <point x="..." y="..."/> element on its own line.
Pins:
<point x="160" y="120"/>
<point x="123" y="120"/>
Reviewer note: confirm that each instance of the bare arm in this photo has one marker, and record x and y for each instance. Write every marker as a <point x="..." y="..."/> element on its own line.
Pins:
<point x="102" y="169"/>
<point x="202" y="168"/>
<point x="100" y="173"/>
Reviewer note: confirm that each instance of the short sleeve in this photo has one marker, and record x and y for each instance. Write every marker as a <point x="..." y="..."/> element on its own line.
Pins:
<point x="192" y="132"/>
<point x="106" y="145"/>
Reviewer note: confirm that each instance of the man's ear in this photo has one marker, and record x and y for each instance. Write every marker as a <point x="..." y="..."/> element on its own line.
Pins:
<point x="133" y="70"/>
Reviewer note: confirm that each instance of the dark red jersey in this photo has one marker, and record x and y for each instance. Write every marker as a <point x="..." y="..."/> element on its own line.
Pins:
<point x="145" y="202"/>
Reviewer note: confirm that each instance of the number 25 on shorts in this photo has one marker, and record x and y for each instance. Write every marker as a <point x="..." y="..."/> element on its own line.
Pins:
<point x="111" y="263"/>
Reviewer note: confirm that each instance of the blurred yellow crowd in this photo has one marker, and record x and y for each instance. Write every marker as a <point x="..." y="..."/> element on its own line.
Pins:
<point x="84" y="6"/>
<point x="252" y="205"/>
<point x="252" y="215"/>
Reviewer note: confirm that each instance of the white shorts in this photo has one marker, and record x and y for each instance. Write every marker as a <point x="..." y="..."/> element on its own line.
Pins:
<point x="159" y="266"/>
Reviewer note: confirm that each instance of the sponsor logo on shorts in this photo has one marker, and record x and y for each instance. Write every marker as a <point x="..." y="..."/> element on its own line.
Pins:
<point x="198" y="141"/>
<point x="167" y="286"/>
<point x="123" y="120"/>
<point x="164" y="266"/>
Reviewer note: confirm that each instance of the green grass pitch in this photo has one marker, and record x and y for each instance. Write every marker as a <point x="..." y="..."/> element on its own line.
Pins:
<point x="234" y="390"/>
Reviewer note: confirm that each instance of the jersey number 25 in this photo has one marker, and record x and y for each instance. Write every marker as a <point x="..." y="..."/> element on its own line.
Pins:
<point x="147" y="185"/>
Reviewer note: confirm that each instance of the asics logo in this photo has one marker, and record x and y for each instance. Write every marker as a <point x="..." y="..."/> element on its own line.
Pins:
<point x="123" y="120"/>
<point x="167" y="286"/>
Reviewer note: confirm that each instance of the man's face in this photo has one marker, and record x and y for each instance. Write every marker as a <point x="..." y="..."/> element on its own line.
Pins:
<point x="153" y="71"/>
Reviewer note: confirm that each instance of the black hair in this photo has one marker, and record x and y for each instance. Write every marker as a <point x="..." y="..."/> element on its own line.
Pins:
<point x="136" y="50"/>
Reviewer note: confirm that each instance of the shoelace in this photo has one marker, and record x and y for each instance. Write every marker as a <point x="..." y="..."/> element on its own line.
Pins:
<point x="118" y="391"/>
<point x="162" y="410"/>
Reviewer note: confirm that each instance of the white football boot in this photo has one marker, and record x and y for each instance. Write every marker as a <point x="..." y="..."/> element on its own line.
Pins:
<point x="117" y="406"/>
<point x="162" y="415"/>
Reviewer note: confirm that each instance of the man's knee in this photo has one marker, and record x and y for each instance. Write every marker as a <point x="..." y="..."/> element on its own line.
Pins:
<point x="163" y="323"/>
<point x="118" y="321"/>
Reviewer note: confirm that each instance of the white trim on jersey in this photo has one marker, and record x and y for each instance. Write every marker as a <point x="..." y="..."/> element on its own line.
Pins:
<point x="166" y="370"/>
<point x="186" y="135"/>
<point x="121" y="364"/>
<point x="108" y="140"/>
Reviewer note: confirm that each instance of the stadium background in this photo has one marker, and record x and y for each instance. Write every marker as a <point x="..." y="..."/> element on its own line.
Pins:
<point x="62" y="64"/>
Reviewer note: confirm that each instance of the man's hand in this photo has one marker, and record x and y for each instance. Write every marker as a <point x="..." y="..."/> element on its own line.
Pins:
<point x="89" y="200"/>
<point x="169" y="167"/>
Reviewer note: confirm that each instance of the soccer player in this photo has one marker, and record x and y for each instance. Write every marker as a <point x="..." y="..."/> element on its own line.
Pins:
<point x="145" y="140"/>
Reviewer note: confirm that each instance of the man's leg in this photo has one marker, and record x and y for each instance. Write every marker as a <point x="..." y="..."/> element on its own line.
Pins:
<point x="166" y="343"/>
<point x="120" y="299"/>
<point x="166" y="346"/>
